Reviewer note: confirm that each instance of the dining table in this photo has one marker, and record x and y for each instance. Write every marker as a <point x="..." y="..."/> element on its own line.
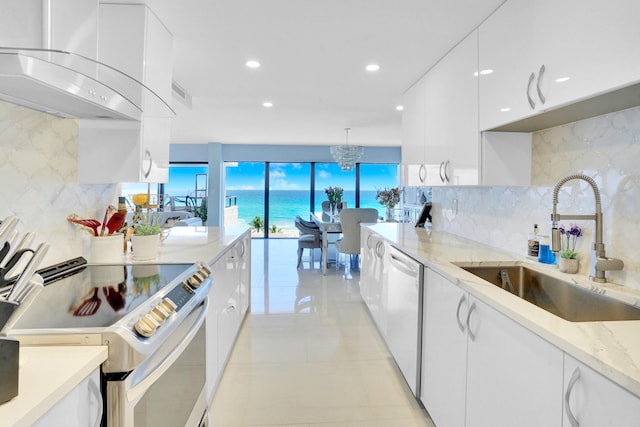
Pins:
<point x="328" y="223"/>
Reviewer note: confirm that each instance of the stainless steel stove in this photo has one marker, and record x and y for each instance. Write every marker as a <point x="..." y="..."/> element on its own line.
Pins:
<point x="149" y="315"/>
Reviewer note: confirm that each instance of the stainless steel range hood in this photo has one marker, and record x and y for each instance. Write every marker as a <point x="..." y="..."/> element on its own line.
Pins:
<point x="73" y="86"/>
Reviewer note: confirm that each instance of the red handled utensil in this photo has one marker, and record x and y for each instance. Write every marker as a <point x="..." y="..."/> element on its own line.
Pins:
<point x="116" y="222"/>
<point x="89" y="223"/>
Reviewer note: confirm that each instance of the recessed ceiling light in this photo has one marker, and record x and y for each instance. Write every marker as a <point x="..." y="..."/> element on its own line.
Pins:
<point x="399" y="107"/>
<point x="252" y="64"/>
<point x="486" y="71"/>
<point x="505" y="109"/>
<point x="267" y="104"/>
<point x="562" y="79"/>
<point x="372" y="68"/>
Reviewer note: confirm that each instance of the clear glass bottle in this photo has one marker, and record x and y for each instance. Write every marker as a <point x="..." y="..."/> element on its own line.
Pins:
<point x="533" y="243"/>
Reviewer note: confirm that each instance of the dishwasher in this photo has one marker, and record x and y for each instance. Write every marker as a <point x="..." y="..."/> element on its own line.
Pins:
<point x="404" y="319"/>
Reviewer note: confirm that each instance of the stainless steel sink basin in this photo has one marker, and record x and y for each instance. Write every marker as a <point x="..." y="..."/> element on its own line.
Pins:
<point x="563" y="299"/>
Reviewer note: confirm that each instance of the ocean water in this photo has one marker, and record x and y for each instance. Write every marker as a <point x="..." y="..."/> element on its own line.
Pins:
<point x="284" y="205"/>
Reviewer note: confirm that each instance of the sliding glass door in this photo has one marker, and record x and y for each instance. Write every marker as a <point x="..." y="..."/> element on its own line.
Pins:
<point x="289" y="195"/>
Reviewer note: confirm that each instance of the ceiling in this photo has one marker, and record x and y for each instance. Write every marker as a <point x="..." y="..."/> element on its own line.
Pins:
<point x="313" y="55"/>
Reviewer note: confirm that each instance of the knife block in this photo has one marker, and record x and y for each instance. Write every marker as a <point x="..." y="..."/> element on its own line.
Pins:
<point x="7" y="308"/>
<point x="9" y="358"/>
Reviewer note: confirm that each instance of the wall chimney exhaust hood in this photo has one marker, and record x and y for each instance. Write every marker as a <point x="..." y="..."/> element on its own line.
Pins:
<point x="73" y="86"/>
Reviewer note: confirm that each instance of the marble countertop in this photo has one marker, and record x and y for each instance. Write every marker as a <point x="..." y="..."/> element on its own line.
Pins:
<point x="46" y="375"/>
<point x="611" y="348"/>
<point x="196" y="243"/>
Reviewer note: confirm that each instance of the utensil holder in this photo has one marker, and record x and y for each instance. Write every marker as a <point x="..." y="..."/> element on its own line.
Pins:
<point x="9" y="362"/>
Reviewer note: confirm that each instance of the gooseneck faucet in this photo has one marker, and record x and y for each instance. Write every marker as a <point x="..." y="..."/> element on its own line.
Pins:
<point x="599" y="262"/>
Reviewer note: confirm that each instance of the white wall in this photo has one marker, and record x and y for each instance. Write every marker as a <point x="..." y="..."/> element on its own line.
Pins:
<point x="38" y="180"/>
<point x="607" y="148"/>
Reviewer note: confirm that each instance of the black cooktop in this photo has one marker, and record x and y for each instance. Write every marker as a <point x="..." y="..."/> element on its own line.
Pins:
<point x="97" y="295"/>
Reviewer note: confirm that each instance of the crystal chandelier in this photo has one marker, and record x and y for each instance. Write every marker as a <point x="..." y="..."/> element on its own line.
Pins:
<point x="347" y="155"/>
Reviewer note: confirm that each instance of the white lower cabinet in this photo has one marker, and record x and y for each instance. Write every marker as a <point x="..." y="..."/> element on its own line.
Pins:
<point x="514" y="377"/>
<point x="444" y="350"/>
<point x="591" y="400"/>
<point x="81" y="407"/>
<point x="480" y="368"/>
<point x="229" y="299"/>
<point x="373" y="278"/>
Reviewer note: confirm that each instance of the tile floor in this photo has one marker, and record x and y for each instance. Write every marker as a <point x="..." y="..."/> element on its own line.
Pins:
<point x="308" y="353"/>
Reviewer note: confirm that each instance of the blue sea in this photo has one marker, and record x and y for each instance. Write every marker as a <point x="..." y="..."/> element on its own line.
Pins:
<point x="284" y="205"/>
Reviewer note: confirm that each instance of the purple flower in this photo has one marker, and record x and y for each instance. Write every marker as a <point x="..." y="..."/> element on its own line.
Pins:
<point x="571" y="235"/>
<point x="575" y="231"/>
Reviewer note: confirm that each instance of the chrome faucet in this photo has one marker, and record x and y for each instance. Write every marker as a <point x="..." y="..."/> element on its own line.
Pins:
<point x="599" y="262"/>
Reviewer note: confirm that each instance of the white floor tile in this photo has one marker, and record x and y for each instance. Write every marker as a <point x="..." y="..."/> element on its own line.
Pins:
<point x="309" y="354"/>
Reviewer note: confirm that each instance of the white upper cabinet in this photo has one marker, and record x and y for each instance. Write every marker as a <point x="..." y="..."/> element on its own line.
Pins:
<point x="440" y="121"/>
<point x="548" y="54"/>
<point x="507" y="63"/>
<point x="132" y="39"/>
<point x="451" y="117"/>
<point x="413" y="131"/>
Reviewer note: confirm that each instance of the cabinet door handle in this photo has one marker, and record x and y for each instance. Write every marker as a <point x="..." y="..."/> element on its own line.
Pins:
<point x="380" y="249"/>
<point x="567" y="396"/>
<point x="471" y="335"/>
<point x="422" y="173"/>
<point x="460" y="324"/>
<point x="147" y="153"/>
<point x="446" y="166"/>
<point x="441" y="166"/>
<point x="369" y="237"/>
<point x="543" y="99"/>
<point x="532" y="103"/>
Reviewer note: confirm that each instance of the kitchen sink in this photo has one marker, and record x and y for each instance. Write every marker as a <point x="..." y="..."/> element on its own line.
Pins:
<point x="556" y="296"/>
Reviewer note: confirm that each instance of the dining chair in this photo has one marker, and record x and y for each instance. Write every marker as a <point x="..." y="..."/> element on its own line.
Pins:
<point x="350" y="220"/>
<point x="310" y="238"/>
<point x="326" y="206"/>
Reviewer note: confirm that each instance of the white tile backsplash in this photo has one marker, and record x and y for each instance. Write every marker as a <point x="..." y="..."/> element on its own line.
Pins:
<point x="38" y="171"/>
<point x="606" y="148"/>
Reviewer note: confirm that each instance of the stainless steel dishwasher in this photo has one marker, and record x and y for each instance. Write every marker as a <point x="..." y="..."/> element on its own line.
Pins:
<point x="404" y="321"/>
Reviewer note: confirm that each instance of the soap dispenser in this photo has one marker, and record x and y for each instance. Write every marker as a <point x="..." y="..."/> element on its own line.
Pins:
<point x="533" y="243"/>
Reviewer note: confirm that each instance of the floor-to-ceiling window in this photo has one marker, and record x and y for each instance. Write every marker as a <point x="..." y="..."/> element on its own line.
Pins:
<point x="330" y="175"/>
<point x="245" y="192"/>
<point x="289" y="195"/>
<point x="267" y="196"/>
<point x="374" y="177"/>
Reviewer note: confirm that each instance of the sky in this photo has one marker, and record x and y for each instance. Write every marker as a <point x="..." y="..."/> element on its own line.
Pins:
<point x="295" y="176"/>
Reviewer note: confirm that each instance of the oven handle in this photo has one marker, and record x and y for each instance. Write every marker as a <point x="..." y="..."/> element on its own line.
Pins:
<point x="137" y="391"/>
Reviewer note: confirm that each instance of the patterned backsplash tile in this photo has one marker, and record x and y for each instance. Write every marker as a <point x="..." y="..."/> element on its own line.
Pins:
<point x="38" y="169"/>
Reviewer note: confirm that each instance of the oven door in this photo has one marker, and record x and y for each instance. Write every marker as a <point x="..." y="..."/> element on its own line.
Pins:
<point x="168" y="389"/>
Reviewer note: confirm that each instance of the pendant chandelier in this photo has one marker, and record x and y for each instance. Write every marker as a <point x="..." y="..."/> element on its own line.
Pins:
<point x="347" y="155"/>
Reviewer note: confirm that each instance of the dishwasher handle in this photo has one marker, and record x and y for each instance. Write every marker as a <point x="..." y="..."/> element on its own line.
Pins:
<point x="405" y="264"/>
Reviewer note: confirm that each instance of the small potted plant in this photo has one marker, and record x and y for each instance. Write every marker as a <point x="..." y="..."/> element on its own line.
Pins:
<point x="145" y="241"/>
<point x="568" y="262"/>
<point x="389" y="199"/>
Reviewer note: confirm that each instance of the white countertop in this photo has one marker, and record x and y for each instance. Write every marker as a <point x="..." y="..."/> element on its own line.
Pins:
<point x="46" y="375"/>
<point x="611" y="348"/>
<point x="191" y="244"/>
